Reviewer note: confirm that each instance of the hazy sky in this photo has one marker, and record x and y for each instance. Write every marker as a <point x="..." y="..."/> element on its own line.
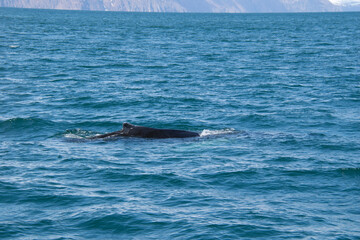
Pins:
<point x="342" y="2"/>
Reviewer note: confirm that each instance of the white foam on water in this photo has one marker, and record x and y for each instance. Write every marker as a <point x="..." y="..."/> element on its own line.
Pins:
<point x="73" y="136"/>
<point x="207" y="132"/>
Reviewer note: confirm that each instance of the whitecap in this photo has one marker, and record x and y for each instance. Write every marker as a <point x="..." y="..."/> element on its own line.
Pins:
<point x="207" y="132"/>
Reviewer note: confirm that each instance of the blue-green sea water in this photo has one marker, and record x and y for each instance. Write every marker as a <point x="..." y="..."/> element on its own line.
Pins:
<point x="275" y="97"/>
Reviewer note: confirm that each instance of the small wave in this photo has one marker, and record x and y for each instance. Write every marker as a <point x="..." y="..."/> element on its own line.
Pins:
<point x="354" y="172"/>
<point x="21" y="124"/>
<point x="226" y="131"/>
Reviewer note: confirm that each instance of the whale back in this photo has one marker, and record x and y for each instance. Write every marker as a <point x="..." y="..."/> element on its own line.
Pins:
<point x="130" y="130"/>
<point x="147" y="132"/>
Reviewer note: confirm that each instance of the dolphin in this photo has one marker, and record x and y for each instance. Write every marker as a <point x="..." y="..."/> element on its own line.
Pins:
<point x="130" y="130"/>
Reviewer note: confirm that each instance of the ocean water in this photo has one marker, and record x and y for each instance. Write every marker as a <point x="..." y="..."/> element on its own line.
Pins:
<point x="276" y="98"/>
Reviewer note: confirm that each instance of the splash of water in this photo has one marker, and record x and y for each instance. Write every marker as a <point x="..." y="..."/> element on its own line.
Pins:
<point x="207" y="132"/>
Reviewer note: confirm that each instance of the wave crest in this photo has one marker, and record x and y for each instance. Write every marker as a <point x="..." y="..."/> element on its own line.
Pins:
<point x="23" y="123"/>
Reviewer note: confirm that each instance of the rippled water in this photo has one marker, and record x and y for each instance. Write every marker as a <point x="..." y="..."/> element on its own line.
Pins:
<point x="275" y="97"/>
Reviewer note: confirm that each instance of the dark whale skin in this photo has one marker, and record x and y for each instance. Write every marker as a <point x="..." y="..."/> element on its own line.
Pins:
<point x="130" y="130"/>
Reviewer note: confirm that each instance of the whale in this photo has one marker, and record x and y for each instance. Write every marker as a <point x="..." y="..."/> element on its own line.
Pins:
<point x="130" y="130"/>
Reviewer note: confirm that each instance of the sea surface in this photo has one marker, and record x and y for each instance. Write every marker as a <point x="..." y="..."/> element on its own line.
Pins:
<point x="275" y="97"/>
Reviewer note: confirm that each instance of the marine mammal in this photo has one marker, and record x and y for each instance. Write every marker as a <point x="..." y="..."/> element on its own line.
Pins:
<point x="130" y="130"/>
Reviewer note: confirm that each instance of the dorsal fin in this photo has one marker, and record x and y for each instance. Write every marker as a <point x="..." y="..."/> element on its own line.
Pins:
<point x="127" y="125"/>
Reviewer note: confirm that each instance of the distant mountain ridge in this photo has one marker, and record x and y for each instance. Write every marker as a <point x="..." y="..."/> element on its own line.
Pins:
<point x="235" y="6"/>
